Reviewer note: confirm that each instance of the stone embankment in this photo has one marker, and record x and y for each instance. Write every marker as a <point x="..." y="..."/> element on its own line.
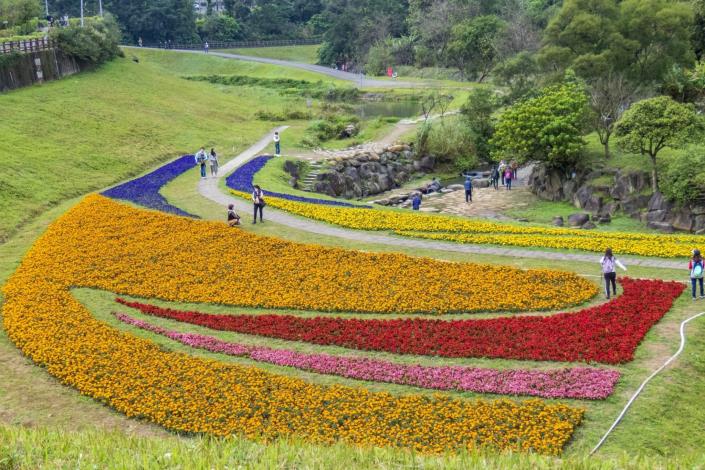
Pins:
<point x="602" y="193"/>
<point x="368" y="172"/>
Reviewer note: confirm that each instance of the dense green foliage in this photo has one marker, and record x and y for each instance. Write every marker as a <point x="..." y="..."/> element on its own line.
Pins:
<point x="683" y="179"/>
<point x="478" y="114"/>
<point x="547" y="128"/>
<point x="16" y="13"/>
<point x="95" y="43"/>
<point x="651" y="125"/>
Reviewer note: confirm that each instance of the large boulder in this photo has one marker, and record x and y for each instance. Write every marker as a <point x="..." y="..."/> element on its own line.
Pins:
<point x="585" y="198"/>
<point x="682" y="219"/>
<point x="481" y="183"/>
<point x="659" y="202"/>
<point x="425" y="164"/>
<point x="292" y="168"/>
<point x="634" y="204"/>
<point x="558" y="221"/>
<point x="546" y="184"/>
<point x="662" y="226"/>
<point x="630" y="183"/>
<point x="578" y="220"/>
<point x="588" y="226"/>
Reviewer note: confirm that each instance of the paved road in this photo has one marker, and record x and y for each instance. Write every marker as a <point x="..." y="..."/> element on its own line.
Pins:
<point x="360" y="81"/>
<point x="208" y="188"/>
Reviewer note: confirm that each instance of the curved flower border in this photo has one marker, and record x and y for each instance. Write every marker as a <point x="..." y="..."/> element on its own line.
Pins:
<point x="144" y="190"/>
<point x="607" y="333"/>
<point x="577" y="383"/>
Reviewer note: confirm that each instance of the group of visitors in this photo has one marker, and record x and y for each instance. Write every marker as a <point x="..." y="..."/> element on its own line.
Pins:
<point x="202" y="158"/>
<point x="258" y="204"/>
<point x="696" y="266"/>
<point x="504" y="172"/>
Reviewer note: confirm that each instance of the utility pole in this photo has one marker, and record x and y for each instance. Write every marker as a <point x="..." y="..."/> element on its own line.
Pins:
<point x="100" y="7"/>
<point x="46" y="7"/>
<point x="81" y="13"/>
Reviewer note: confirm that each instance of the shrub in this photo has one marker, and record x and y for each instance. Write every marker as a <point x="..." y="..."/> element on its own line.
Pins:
<point x="95" y="43"/>
<point x="452" y="142"/>
<point x="327" y="128"/>
<point x="683" y="180"/>
<point x="283" y="116"/>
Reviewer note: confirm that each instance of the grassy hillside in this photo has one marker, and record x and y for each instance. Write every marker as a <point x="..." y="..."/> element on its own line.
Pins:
<point x="83" y="133"/>
<point x="305" y="54"/>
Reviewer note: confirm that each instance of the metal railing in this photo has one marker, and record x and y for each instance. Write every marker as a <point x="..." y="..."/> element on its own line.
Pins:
<point x="28" y="45"/>
<point x="230" y="44"/>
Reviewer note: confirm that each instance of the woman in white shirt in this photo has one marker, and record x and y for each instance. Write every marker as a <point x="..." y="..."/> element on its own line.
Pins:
<point x="608" y="263"/>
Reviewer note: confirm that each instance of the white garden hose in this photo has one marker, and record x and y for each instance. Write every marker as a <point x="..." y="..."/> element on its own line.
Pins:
<point x="643" y="384"/>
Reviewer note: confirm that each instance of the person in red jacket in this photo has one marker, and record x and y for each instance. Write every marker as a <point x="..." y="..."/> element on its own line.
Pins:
<point x="696" y="268"/>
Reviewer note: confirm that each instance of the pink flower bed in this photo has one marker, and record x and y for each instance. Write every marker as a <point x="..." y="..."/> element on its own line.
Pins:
<point x="577" y="382"/>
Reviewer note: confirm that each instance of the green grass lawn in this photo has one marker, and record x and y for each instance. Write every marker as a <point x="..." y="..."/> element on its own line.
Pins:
<point x="306" y="54"/>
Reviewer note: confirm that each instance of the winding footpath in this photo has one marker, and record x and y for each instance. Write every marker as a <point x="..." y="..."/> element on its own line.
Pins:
<point x="359" y="79"/>
<point x="209" y="188"/>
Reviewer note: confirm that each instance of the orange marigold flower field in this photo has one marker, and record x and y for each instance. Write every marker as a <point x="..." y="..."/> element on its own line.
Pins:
<point x="111" y="246"/>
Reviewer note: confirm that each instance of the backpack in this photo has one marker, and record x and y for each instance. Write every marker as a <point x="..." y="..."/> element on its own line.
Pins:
<point x="697" y="271"/>
<point x="608" y="265"/>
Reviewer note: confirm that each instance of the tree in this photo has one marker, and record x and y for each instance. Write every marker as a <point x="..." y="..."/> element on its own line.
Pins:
<point x="641" y="39"/>
<point x="610" y="96"/>
<point x="546" y="128"/>
<point x="474" y="45"/>
<point x="651" y="125"/>
<point x="478" y="114"/>
<point x="519" y="73"/>
<point x="219" y="28"/>
<point x="19" y="12"/>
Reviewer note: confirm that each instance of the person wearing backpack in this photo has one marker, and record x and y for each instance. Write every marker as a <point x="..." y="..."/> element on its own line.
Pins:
<point x="608" y="263"/>
<point x="258" y="201"/>
<point x="696" y="268"/>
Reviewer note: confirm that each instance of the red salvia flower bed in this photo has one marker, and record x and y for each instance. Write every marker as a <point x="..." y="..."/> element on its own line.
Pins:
<point x="607" y="333"/>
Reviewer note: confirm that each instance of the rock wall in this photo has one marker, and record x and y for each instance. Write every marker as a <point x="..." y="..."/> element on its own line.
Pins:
<point x="27" y="69"/>
<point x="604" y="192"/>
<point x="367" y="173"/>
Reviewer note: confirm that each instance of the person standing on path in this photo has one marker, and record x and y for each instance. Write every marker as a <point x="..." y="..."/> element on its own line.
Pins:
<point x="213" y="160"/>
<point x="696" y="268"/>
<point x="201" y="159"/>
<point x="502" y="166"/>
<point x="608" y="263"/>
<point x="468" y="189"/>
<point x="416" y="202"/>
<point x="233" y="217"/>
<point x="205" y="47"/>
<point x="258" y="202"/>
<point x="508" y="177"/>
<point x="277" y="146"/>
<point x="494" y="177"/>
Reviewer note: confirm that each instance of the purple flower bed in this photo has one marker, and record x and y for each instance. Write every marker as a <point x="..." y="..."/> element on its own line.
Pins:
<point x="578" y="382"/>
<point x="145" y="189"/>
<point x="242" y="180"/>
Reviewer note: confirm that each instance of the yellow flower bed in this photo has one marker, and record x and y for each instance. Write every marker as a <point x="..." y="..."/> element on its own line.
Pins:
<point x="486" y="232"/>
<point x="107" y="245"/>
<point x="661" y="249"/>
<point x="209" y="262"/>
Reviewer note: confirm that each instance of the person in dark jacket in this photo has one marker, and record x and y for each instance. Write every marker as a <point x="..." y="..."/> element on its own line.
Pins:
<point x="258" y="202"/>
<point x="468" y="189"/>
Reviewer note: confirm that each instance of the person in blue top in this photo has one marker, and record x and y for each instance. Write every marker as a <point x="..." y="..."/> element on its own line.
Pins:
<point x="201" y="159"/>
<point x="697" y="267"/>
<point x="416" y="202"/>
<point x="468" y="189"/>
